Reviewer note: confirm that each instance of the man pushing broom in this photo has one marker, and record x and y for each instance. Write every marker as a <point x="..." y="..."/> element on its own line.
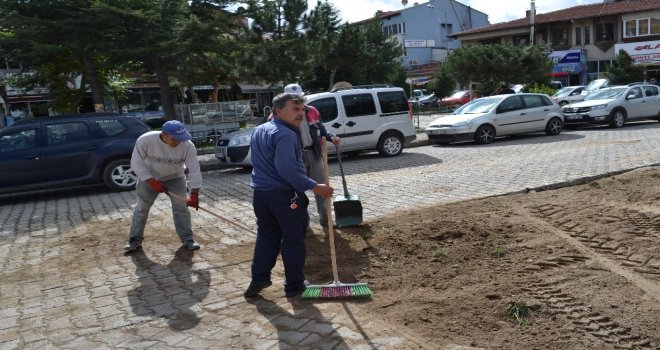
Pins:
<point x="279" y="181"/>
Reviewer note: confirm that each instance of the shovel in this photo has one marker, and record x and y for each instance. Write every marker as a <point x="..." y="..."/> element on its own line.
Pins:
<point x="348" y="208"/>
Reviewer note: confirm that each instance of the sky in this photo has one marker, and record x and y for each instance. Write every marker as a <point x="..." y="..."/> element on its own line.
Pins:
<point x="497" y="10"/>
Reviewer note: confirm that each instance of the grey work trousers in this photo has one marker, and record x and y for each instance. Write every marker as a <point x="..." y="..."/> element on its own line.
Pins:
<point x="314" y="168"/>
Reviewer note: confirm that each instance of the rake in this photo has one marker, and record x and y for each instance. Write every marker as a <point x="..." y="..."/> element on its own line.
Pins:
<point x="336" y="289"/>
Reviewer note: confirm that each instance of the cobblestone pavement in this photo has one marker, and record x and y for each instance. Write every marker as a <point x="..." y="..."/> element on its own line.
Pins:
<point x="66" y="283"/>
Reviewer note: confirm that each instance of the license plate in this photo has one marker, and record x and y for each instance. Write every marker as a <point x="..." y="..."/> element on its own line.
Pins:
<point x="437" y="132"/>
<point x="573" y="117"/>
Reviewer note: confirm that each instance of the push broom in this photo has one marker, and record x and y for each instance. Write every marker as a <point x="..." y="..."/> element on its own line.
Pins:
<point x="336" y="289"/>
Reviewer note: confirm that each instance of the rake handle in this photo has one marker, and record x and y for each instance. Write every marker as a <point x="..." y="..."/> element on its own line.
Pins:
<point x="328" y="209"/>
<point x="174" y="195"/>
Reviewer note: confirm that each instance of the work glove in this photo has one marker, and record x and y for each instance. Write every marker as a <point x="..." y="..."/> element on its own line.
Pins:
<point x="156" y="185"/>
<point x="193" y="201"/>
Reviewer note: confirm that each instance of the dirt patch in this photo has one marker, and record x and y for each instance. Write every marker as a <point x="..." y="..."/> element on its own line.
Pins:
<point x="573" y="268"/>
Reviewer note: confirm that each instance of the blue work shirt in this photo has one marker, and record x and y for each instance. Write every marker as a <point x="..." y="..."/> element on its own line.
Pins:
<point x="277" y="159"/>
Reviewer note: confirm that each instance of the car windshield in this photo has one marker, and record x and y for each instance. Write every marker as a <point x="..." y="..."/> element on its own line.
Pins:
<point x="563" y="92"/>
<point x="480" y="105"/>
<point x="458" y="94"/>
<point x="606" y="94"/>
<point x="596" y="84"/>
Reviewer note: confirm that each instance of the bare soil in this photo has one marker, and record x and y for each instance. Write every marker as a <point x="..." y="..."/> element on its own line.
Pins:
<point x="571" y="268"/>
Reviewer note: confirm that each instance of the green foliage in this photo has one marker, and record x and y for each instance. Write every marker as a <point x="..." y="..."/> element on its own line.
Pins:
<point x="624" y="71"/>
<point x="542" y="89"/>
<point x="517" y="311"/>
<point x="443" y="85"/>
<point x="499" y="63"/>
<point x="497" y="252"/>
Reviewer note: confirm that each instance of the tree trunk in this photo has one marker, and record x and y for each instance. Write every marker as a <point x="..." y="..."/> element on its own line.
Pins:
<point x="214" y="93"/>
<point x="332" y="78"/>
<point x="164" y="83"/>
<point x="193" y="94"/>
<point x="97" y="91"/>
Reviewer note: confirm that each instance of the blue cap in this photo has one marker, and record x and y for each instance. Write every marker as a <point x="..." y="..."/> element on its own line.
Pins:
<point x="176" y="130"/>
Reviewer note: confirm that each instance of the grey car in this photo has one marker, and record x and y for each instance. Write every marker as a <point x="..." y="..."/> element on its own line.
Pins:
<point x="615" y="106"/>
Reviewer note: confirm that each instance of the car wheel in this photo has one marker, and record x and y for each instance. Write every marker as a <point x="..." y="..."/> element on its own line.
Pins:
<point x="618" y="118"/>
<point x="484" y="134"/>
<point x="554" y="126"/>
<point x="390" y="145"/>
<point x="119" y="176"/>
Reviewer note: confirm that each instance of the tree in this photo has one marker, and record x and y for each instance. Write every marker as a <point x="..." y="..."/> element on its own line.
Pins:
<point x="624" y="70"/>
<point x="54" y="43"/>
<point x="443" y="84"/>
<point x="496" y="64"/>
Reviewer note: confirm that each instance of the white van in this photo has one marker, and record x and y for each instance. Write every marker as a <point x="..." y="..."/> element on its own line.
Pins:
<point x="364" y="117"/>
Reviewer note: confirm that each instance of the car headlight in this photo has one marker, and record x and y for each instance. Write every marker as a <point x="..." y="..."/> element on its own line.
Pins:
<point x="598" y="107"/>
<point x="461" y="124"/>
<point x="240" y="140"/>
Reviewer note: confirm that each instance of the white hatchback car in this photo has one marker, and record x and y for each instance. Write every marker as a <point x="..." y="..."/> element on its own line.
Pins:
<point x="567" y="95"/>
<point x="485" y="118"/>
<point x="365" y="118"/>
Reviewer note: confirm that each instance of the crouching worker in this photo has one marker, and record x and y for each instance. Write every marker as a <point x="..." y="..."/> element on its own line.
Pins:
<point x="158" y="160"/>
<point x="279" y="182"/>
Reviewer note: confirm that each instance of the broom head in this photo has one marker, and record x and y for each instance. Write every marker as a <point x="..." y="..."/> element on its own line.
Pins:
<point x="337" y="290"/>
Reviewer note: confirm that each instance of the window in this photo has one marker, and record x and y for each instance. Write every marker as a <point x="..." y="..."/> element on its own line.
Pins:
<point x="66" y="133"/>
<point x="634" y="93"/>
<point x="397" y="28"/>
<point x="641" y="27"/>
<point x="532" y="101"/>
<point x="560" y="37"/>
<point x="510" y="104"/>
<point x="605" y="32"/>
<point x="651" y="90"/>
<point x="360" y="104"/>
<point x="327" y="108"/>
<point x="587" y="35"/>
<point x="446" y="28"/>
<point x="393" y="102"/>
<point x="578" y="35"/>
<point x="19" y="141"/>
<point x="547" y="101"/>
<point x="521" y="40"/>
<point x="111" y="127"/>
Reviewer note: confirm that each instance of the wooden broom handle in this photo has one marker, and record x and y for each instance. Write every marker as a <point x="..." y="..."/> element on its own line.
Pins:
<point x="328" y="209"/>
<point x="174" y="195"/>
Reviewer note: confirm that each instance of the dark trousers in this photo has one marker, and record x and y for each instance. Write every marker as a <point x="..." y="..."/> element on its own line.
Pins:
<point x="280" y="228"/>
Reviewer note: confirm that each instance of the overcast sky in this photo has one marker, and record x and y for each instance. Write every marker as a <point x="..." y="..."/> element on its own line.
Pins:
<point x="497" y="10"/>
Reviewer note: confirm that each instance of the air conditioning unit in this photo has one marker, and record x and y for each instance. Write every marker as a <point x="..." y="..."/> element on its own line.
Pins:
<point x="413" y="62"/>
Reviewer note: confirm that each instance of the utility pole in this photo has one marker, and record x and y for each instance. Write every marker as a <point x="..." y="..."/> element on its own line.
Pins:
<point x="532" y="15"/>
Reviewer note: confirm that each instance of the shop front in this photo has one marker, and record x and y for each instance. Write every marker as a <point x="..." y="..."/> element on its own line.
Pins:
<point x="570" y="67"/>
<point x="645" y="53"/>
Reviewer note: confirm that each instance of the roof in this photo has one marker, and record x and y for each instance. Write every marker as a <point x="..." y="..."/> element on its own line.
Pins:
<point x="380" y="14"/>
<point x="572" y="13"/>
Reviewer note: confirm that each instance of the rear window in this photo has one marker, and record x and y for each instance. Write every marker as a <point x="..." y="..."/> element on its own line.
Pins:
<point x="532" y="101"/>
<point x="393" y="102"/>
<point x="110" y="127"/>
<point x="327" y="107"/>
<point x="359" y="104"/>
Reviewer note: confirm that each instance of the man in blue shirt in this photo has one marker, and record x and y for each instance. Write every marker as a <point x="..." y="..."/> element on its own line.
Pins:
<point x="279" y="181"/>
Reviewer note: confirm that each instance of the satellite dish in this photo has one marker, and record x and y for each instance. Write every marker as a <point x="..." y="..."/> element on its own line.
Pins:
<point x="341" y="85"/>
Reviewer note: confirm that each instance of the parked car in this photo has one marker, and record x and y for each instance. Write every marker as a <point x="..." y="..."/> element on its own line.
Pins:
<point x="459" y="98"/>
<point x="595" y="85"/>
<point x="568" y="95"/>
<point x="365" y="118"/>
<point x="485" y="118"/>
<point x="615" y="106"/>
<point x="77" y="149"/>
<point x="426" y="101"/>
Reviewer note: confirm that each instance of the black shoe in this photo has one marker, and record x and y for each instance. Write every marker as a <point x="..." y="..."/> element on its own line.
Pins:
<point x="296" y="292"/>
<point x="191" y="245"/>
<point x="256" y="287"/>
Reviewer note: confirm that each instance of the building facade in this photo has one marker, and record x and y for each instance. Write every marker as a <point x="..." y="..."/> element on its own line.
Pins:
<point x="585" y="39"/>
<point x="425" y="31"/>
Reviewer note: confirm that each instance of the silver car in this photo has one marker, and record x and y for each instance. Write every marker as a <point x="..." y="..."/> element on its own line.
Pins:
<point x="568" y="95"/>
<point x="485" y="118"/>
<point x="615" y="105"/>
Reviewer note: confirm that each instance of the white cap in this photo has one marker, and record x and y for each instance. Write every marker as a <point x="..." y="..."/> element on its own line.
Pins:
<point x="294" y="89"/>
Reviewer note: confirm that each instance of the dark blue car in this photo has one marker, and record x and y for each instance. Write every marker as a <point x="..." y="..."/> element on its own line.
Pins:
<point x="68" y="150"/>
